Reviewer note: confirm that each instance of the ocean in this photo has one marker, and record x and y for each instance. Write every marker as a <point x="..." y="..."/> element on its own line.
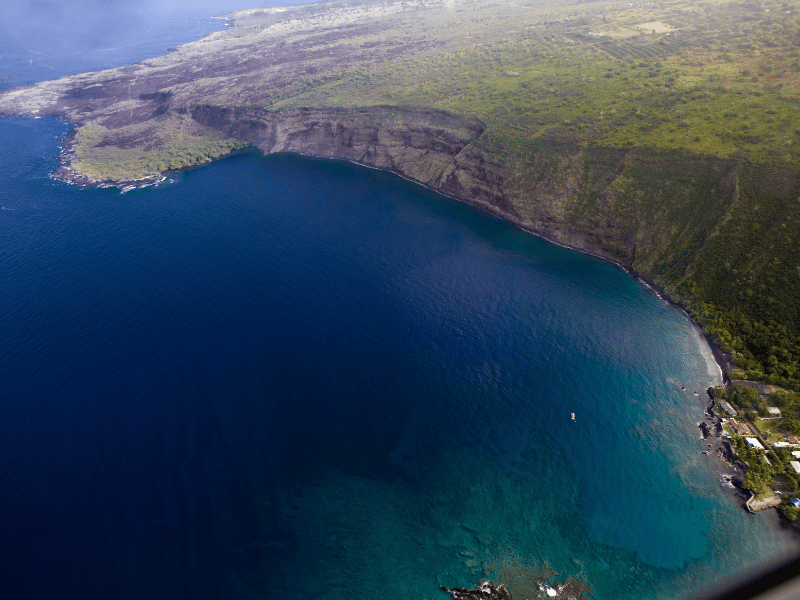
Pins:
<point x="288" y="377"/>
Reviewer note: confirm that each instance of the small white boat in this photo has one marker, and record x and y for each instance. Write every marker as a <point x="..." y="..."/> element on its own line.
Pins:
<point x="572" y="416"/>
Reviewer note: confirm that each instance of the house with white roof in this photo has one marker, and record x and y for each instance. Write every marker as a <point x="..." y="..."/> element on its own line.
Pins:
<point x="753" y="443"/>
<point x="785" y="445"/>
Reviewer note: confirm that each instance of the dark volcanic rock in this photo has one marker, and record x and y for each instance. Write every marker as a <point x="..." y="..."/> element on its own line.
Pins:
<point x="484" y="591"/>
<point x="157" y="96"/>
<point x="572" y="589"/>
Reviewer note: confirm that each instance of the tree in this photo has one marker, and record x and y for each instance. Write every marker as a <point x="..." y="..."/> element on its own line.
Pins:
<point x="744" y="397"/>
<point x="751" y="481"/>
<point x="789" y="511"/>
<point x="780" y="399"/>
<point x="791" y="423"/>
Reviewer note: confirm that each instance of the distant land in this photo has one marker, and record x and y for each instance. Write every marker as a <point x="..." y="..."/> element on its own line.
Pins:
<point x="663" y="136"/>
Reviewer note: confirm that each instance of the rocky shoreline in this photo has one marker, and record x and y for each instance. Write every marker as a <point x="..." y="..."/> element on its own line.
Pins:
<point x="730" y="470"/>
<point x="484" y="591"/>
<point x="66" y="174"/>
<point x="569" y="590"/>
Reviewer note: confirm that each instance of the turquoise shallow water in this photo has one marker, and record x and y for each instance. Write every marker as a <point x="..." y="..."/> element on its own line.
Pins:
<point x="300" y="378"/>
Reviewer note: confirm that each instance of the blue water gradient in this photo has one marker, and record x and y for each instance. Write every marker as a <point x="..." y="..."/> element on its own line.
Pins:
<point x="289" y="377"/>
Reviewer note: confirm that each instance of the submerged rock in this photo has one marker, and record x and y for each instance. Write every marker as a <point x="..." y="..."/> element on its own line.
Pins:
<point x="484" y="591"/>
<point x="572" y="589"/>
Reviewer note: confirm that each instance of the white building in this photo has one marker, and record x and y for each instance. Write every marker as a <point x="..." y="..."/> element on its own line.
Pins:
<point x="785" y="445"/>
<point x="795" y="465"/>
<point x="754" y="443"/>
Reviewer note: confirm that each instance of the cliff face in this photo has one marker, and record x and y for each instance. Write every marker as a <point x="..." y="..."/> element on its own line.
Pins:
<point x="290" y="84"/>
<point x="653" y="210"/>
<point x="630" y="205"/>
<point x="432" y="147"/>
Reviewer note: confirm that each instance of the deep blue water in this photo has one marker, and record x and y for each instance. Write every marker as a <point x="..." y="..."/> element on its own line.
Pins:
<point x="317" y="379"/>
<point x="296" y="378"/>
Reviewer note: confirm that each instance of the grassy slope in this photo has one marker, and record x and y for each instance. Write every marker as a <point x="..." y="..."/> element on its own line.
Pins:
<point x="189" y="145"/>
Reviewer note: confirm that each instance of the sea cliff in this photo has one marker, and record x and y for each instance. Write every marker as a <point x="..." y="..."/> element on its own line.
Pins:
<point x="572" y="123"/>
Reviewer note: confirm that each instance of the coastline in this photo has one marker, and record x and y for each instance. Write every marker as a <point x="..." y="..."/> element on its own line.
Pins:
<point x="723" y="472"/>
<point x="710" y="455"/>
<point x="64" y="173"/>
<point x="729" y="473"/>
<point x="723" y="360"/>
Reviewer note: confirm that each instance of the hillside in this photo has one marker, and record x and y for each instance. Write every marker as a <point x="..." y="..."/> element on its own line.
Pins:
<point x="663" y="136"/>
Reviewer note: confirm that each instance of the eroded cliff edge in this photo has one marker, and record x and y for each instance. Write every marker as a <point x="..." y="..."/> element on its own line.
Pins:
<point x="429" y="146"/>
<point x="436" y="148"/>
<point x="598" y="200"/>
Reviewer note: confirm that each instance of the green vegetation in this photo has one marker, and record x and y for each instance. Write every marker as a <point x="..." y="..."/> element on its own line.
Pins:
<point x="108" y="162"/>
<point x="789" y="511"/>
<point x="744" y="398"/>
<point x="759" y="472"/>
<point x="756" y="407"/>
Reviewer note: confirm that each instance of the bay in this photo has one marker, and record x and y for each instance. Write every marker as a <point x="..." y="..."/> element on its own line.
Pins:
<point x="312" y="379"/>
<point x="289" y="377"/>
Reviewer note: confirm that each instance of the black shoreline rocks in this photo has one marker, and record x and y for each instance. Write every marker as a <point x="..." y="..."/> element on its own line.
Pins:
<point x="711" y="430"/>
<point x="484" y="591"/>
<point x="571" y="589"/>
<point x="730" y="470"/>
